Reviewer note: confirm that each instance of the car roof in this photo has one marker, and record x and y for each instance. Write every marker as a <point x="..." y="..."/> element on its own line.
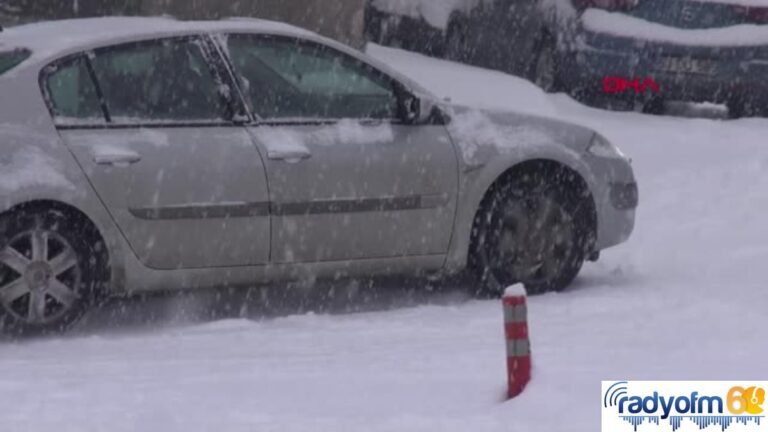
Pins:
<point x="51" y="40"/>
<point x="55" y="38"/>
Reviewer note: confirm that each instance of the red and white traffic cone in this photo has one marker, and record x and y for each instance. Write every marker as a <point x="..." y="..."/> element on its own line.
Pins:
<point x="518" y="343"/>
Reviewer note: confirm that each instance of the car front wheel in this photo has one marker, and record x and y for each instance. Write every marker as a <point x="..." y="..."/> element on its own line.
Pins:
<point x="52" y="267"/>
<point x="534" y="230"/>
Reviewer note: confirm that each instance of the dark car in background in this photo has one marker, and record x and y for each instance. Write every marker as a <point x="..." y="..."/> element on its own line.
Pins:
<point x="497" y="34"/>
<point x="389" y="23"/>
<point x="618" y="54"/>
<point x="651" y="51"/>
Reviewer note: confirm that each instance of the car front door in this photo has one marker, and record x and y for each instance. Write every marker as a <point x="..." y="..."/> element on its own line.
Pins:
<point x="348" y="180"/>
<point x="150" y="126"/>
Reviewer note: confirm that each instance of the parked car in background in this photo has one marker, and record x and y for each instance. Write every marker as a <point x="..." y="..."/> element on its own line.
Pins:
<point x="649" y="51"/>
<point x="152" y="154"/>
<point x="616" y="53"/>
<point x="399" y="24"/>
<point x="497" y="34"/>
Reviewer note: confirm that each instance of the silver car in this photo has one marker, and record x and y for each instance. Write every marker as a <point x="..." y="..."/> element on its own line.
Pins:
<point x="143" y="154"/>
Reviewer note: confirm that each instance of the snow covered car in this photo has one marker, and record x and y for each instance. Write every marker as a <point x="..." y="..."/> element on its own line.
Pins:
<point x="145" y="154"/>
<point x="613" y="53"/>
<point x="498" y="34"/>
<point x="386" y="24"/>
<point x="656" y="50"/>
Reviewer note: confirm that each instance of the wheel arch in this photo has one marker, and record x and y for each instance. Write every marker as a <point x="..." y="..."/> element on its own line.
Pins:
<point x="65" y="208"/>
<point x="114" y="273"/>
<point x="477" y="201"/>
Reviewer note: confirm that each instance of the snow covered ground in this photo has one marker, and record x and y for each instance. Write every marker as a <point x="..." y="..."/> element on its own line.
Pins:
<point x="686" y="298"/>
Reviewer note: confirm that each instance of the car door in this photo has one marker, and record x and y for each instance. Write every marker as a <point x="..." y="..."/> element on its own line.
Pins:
<point x="348" y="180"/>
<point x="151" y="127"/>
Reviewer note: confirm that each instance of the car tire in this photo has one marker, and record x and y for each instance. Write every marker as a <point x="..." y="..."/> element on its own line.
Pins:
<point x="740" y="107"/>
<point x="655" y="106"/>
<point x="534" y="229"/>
<point x="53" y="268"/>
<point x="456" y="44"/>
<point x="544" y="69"/>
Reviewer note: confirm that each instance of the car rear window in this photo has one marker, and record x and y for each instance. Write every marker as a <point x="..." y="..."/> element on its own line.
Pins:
<point x="11" y="59"/>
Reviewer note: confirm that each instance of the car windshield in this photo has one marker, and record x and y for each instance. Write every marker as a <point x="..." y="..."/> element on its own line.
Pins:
<point x="11" y="59"/>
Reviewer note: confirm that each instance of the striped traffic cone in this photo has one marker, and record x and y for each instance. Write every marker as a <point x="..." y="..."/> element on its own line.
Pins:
<point x="518" y="344"/>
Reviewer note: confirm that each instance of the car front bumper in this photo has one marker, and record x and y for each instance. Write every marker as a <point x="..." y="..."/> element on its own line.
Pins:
<point x="616" y="200"/>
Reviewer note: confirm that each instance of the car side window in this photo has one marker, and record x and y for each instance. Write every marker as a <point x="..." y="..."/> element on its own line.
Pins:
<point x="287" y="78"/>
<point x="71" y="93"/>
<point x="159" y="81"/>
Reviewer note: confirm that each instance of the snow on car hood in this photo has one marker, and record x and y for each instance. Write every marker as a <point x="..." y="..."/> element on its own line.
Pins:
<point x="480" y="134"/>
<point x="620" y="24"/>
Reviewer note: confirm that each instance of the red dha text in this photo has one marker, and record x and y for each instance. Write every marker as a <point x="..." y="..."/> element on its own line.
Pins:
<point x="613" y="84"/>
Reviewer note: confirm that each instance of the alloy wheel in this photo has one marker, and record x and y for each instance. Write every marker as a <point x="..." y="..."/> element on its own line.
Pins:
<point x="40" y="276"/>
<point x="535" y="240"/>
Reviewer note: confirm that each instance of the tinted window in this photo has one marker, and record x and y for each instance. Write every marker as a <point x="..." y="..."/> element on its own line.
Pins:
<point x="72" y="93"/>
<point x="9" y="60"/>
<point x="285" y="78"/>
<point x="167" y="80"/>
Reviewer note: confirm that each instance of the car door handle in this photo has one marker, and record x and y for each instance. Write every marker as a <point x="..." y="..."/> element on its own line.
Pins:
<point x="123" y="157"/>
<point x="290" y="156"/>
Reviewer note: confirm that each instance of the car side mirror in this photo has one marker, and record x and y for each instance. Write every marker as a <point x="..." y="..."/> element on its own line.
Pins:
<point x="408" y="107"/>
<point x="415" y="110"/>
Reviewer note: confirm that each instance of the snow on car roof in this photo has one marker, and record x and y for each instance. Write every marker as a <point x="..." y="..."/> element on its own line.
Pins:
<point x="50" y="38"/>
<point x="620" y="24"/>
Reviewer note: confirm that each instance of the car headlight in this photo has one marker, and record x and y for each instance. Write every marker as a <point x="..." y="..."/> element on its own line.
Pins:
<point x="601" y="147"/>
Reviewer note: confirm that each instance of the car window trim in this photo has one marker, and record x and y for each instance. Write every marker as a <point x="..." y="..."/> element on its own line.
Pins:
<point x="19" y="56"/>
<point x="210" y="55"/>
<point x="105" y="122"/>
<point x="217" y="45"/>
<point x="221" y="40"/>
<point x="213" y="69"/>
<point x="46" y="72"/>
<point x="92" y="73"/>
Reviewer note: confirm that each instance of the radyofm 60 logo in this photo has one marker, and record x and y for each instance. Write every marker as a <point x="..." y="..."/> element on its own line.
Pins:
<point x="661" y="406"/>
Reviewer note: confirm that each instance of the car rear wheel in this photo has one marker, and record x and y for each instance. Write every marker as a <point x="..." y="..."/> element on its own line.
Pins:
<point x="533" y="230"/>
<point x="52" y="268"/>
<point x="655" y="106"/>
<point x="740" y="106"/>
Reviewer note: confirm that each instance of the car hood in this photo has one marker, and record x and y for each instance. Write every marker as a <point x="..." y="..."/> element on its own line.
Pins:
<point x="482" y="134"/>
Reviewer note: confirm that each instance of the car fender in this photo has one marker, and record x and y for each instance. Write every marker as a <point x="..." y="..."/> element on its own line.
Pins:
<point x="483" y="163"/>
<point x="35" y="165"/>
